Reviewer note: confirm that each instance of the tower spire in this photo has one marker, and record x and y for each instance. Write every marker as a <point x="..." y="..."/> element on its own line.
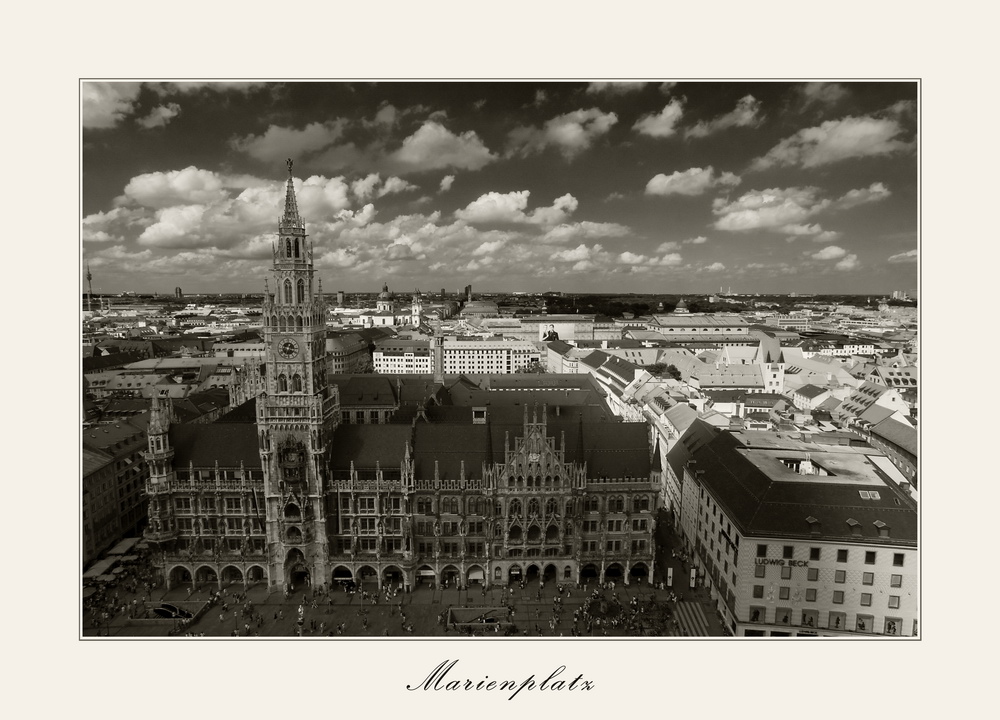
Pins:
<point x="290" y="218"/>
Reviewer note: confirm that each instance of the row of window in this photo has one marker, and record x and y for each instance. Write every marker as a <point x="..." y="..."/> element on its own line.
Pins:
<point x="207" y="504"/>
<point x="839" y="576"/>
<point x="815" y="553"/>
<point x="785" y="593"/>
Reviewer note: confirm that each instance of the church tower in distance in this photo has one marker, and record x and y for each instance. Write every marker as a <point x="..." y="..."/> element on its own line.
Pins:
<point x="297" y="411"/>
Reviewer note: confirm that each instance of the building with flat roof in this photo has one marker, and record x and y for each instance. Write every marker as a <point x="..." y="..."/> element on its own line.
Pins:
<point x="796" y="538"/>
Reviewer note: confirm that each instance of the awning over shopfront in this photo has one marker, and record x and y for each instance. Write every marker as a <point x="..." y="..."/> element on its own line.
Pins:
<point x="426" y="573"/>
<point x="99" y="568"/>
<point x="124" y="546"/>
<point x="476" y="574"/>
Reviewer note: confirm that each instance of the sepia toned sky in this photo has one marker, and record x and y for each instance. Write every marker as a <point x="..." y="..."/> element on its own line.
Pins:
<point x="667" y="187"/>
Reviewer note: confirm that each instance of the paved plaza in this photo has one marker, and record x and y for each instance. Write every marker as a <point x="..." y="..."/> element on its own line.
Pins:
<point x="129" y="609"/>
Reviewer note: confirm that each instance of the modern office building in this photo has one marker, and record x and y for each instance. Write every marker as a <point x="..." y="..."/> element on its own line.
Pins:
<point x="796" y="538"/>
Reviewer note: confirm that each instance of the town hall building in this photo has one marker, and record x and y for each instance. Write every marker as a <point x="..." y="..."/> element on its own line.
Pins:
<point x="470" y="480"/>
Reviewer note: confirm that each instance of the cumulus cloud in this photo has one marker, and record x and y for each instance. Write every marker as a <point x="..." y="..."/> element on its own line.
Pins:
<point x="614" y="88"/>
<point x="494" y="207"/>
<point x="836" y="140"/>
<point x="580" y="252"/>
<point x="667" y="246"/>
<point x="700" y="240"/>
<point x="446" y="183"/>
<point x="105" y="104"/>
<point x="822" y="93"/>
<point x="904" y="257"/>
<point x="571" y="133"/>
<point x="661" y="124"/>
<point x="176" y="187"/>
<point x="278" y="143"/>
<point x="873" y="193"/>
<point x="745" y="114"/>
<point x="583" y="230"/>
<point x="831" y="252"/>
<point x="848" y="263"/>
<point x="434" y="147"/>
<point x="510" y="207"/>
<point x="694" y="181"/>
<point x="372" y="186"/>
<point x="160" y="116"/>
<point x="787" y="210"/>
<point x="768" y="209"/>
<point x="714" y="267"/>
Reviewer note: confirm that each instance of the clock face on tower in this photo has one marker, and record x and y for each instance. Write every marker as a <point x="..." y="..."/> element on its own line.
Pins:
<point x="288" y="349"/>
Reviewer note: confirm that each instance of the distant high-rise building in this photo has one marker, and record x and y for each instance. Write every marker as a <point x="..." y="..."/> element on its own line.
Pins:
<point x="340" y="297"/>
<point x="178" y="293"/>
<point x="90" y="288"/>
<point x="442" y="293"/>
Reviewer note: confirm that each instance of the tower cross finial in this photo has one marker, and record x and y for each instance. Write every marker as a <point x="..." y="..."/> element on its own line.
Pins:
<point x="288" y="163"/>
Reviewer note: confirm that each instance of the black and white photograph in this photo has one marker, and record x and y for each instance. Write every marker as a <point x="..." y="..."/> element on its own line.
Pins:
<point x="563" y="360"/>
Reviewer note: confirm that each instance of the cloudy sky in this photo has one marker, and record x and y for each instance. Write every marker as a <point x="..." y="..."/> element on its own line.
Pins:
<point x="603" y="187"/>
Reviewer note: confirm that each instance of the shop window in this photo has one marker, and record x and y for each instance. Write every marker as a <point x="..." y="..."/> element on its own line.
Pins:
<point x="810" y="618"/>
<point x="837" y="621"/>
<point x="864" y="623"/>
<point x="758" y="614"/>
<point x="783" y="616"/>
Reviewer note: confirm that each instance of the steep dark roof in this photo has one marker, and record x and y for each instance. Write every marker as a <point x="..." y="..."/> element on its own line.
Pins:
<point x="898" y="433"/>
<point x="229" y="444"/>
<point x="366" y="445"/>
<point x="764" y="506"/>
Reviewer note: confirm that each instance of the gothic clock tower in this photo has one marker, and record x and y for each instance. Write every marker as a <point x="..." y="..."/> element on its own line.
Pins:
<point x="297" y="411"/>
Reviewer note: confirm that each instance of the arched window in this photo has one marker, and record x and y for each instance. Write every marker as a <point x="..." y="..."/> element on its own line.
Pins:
<point x="288" y="292"/>
<point x="515" y="507"/>
<point x="498" y="509"/>
<point x="298" y="322"/>
<point x="274" y="321"/>
<point x="551" y="507"/>
<point x="300" y="292"/>
<point x="282" y="383"/>
<point x="533" y="506"/>
<point x="296" y="247"/>
<point x="297" y="382"/>
<point x="288" y="247"/>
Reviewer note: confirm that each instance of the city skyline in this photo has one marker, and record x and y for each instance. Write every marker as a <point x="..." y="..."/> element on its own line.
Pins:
<point x="654" y="187"/>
